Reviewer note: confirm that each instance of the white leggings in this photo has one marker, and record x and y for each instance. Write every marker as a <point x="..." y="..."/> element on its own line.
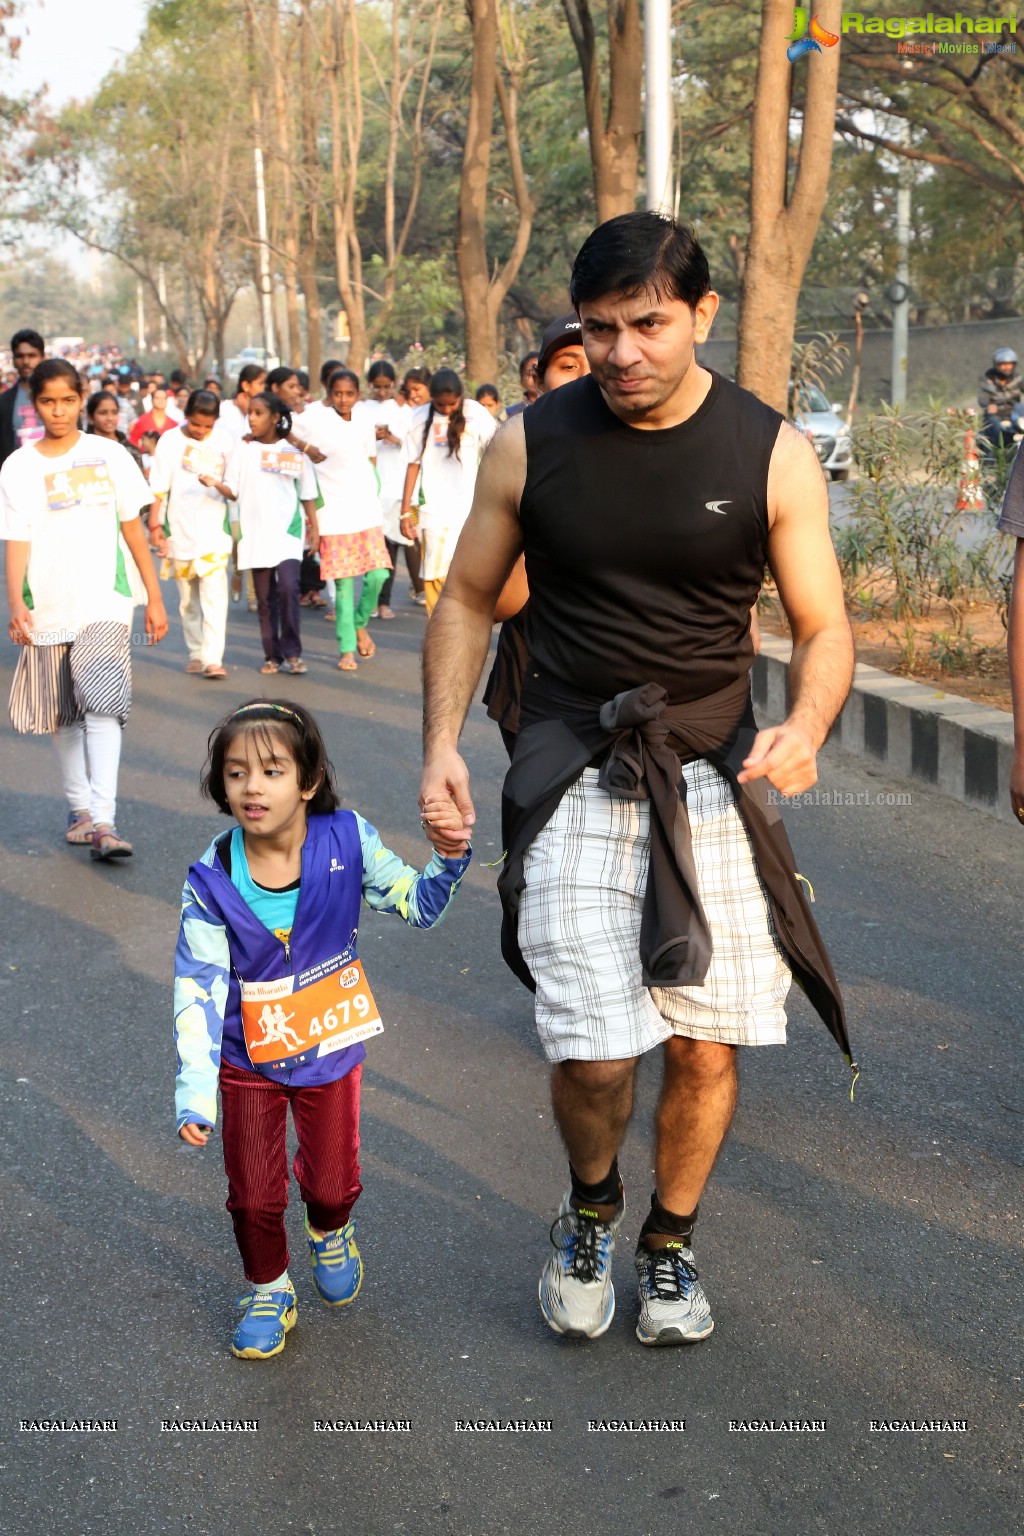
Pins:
<point x="90" y="754"/>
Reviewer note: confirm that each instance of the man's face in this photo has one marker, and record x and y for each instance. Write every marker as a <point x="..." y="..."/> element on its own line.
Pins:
<point x="1004" y="370"/>
<point x="124" y="386"/>
<point x="26" y="358"/>
<point x="640" y="347"/>
<point x="568" y="363"/>
<point x="528" y="379"/>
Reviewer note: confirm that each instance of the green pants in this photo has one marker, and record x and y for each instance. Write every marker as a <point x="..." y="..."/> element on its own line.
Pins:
<point x="347" y="617"/>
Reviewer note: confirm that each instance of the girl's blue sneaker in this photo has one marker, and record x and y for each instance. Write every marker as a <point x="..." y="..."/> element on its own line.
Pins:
<point x="337" y="1267"/>
<point x="267" y="1317"/>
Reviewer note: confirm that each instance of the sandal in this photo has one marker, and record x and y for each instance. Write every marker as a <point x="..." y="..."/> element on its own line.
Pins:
<point x="269" y="667"/>
<point x="330" y="616"/>
<point x="194" y="667"/>
<point x="347" y="663"/>
<point x="384" y="612"/>
<point x="79" y="830"/>
<point x="108" y="844"/>
<point x="364" y="645"/>
<point x="214" y="674"/>
<point x="295" y="665"/>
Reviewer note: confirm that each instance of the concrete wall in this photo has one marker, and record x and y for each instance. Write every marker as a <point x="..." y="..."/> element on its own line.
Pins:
<point x="944" y="361"/>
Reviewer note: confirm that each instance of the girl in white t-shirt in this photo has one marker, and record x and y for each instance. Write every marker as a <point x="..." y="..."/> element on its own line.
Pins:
<point x="189" y="525"/>
<point x="442" y="452"/>
<point x="350" y="520"/>
<point x="276" y="493"/>
<point x="63" y="501"/>
<point x="391" y="420"/>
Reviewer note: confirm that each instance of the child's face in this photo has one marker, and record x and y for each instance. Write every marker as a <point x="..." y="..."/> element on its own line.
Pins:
<point x="261" y="784"/>
<point x="344" y="396"/>
<point x="382" y="387"/>
<point x="261" y="423"/>
<point x="446" y="404"/>
<point x="418" y="394"/>
<point x="199" y="427"/>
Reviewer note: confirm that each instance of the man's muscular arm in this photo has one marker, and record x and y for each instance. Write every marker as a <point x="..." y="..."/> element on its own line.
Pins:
<point x="460" y="627"/>
<point x="806" y="572"/>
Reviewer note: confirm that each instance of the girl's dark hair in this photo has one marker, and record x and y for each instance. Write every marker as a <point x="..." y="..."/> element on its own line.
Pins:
<point x="249" y="374"/>
<point x="488" y="389"/>
<point x="202" y="402"/>
<point x="381" y="369"/>
<point x="343" y="373"/>
<point x="276" y="406"/>
<point x="416" y="376"/>
<point x="94" y="402"/>
<point x="331" y="365"/>
<point x="447" y="382"/>
<point x="278" y="376"/>
<point x="273" y="721"/>
<point x="53" y="368"/>
<point x="303" y="378"/>
<point x="637" y="252"/>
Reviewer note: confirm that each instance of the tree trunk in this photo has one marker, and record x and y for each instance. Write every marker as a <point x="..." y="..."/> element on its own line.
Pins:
<point x="614" y="134"/>
<point x="782" y="228"/>
<point x="346" y="138"/>
<point x="483" y="292"/>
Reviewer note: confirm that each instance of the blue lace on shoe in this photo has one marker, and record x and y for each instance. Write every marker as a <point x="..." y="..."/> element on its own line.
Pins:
<point x="671" y="1277"/>
<point x="337" y="1266"/>
<point x="268" y="1317"/>
<point x="584" y="1247"/>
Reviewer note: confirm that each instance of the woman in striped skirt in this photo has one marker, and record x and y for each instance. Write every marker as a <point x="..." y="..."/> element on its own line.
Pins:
<point x="64" y="501"/>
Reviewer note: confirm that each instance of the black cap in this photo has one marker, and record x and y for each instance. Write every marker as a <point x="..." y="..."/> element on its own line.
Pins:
<point x="564" y="332"/>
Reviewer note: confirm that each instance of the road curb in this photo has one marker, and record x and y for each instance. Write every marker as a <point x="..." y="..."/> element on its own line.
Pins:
<point x="960" y="748"/>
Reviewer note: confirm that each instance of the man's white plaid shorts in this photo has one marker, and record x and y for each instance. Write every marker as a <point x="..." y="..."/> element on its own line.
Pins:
<point x="579" y="928"/>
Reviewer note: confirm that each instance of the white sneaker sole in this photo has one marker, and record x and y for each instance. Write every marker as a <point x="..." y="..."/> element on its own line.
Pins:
<point x="575" y="1333"/>
<point x="670" y="1335"/>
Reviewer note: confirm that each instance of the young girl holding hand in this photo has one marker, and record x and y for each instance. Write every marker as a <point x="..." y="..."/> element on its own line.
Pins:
<point x="270" y="1001"/>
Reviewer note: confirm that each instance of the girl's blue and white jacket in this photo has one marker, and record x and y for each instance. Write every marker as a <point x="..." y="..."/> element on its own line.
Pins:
<point x="222" y="943"/>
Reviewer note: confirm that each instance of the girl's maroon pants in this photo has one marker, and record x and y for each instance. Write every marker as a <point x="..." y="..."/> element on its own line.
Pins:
<point x="326" y="1167"/>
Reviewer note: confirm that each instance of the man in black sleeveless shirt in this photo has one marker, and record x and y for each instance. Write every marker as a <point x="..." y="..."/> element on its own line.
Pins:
<point x="649" y="890"/>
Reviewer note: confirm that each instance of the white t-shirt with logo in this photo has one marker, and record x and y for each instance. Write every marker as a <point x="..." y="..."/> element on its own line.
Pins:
<point x="347" y="478"/>
<point x="447" y="481"/>
<point x="271" y="480"/>
<point x="196" y="514"/>
<point x="70" y="509"/>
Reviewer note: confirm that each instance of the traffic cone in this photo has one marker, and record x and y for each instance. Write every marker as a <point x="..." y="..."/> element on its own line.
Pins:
<point x="970" y="496"/>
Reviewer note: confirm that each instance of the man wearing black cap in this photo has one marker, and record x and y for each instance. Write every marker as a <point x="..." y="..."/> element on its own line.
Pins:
<point x="649" y="890"/>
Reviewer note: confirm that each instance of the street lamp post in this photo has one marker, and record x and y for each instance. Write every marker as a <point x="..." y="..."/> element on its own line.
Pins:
<point x="658" y="104"/>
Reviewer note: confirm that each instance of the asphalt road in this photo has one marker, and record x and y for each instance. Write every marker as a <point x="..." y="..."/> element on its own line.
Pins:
<point x="863" y="1259"/>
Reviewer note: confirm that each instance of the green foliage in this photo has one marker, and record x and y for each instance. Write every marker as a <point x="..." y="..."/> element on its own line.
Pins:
<point x="906" y="546"/>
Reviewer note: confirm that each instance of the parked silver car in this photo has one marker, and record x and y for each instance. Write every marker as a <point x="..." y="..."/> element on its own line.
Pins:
<point x="828" y="432"/>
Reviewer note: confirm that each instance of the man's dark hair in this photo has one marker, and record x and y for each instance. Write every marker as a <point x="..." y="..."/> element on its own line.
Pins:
<point x="637" y="252"/>
<point x="28" y="339"/>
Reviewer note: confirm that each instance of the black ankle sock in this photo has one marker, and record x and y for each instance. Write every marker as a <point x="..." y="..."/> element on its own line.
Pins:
<point x="608" y="1191"/>
<point x="668" y="1223"/>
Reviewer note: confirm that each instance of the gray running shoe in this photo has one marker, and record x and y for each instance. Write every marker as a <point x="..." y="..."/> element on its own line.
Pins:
<point x="673" y="1306"/>
<point x="576" y="1292"/>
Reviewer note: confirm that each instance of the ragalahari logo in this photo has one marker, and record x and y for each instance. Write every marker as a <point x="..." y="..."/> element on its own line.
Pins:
<point x="800" y="43"/>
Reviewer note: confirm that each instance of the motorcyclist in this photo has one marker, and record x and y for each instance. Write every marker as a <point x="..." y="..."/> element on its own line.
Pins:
<point x="1001" y="391"/>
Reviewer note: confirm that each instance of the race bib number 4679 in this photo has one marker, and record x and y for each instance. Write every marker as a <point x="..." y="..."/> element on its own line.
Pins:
<point x="301" y="1018"/>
